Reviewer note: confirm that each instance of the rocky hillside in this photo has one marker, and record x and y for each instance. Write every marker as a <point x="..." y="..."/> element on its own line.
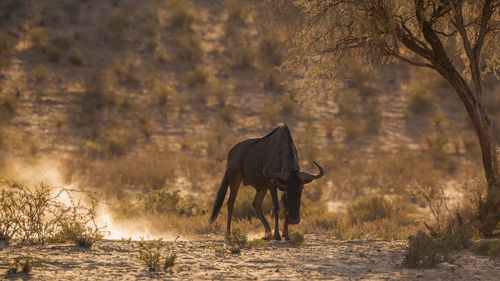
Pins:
<point x="130" y="95"/>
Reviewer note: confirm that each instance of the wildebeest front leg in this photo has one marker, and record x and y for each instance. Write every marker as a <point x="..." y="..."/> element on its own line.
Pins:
<point x="257" y="205"/>
<point x="285" y="230"/>
<point x="274" y="196"/>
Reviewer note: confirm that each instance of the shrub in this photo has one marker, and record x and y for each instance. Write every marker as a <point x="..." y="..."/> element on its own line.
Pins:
<point x="330" y="126"/>
<point x="8" y="104"/>
<point x="53" y="53"/>
<point x="127" y="72"/>
<point x="369" y="209"/>
<point x="237" y="238"/>
<point x="75" y="57"/>
<point x="92" y="148"/>
<point x="270" y="50"/>
<point x="72" y="9"/>
<point x="150" y="255"/>
<point x="181" y="14"/>
<point x="354" y="128"/>
<point x="21" y="264"/>
<point x="95" y="96"/>
<point x="161" y="54"/>
<point x="237" y="12"/>
<point x="169" y="261"/>
<point x="427" y="251"/>
<point x="8" y="8"/>
<point x="161" y="201"/>
<point x="423" y="251"/>
<point x="487" y="248"/>
<point x="161" y="93"/>
<point x="190" y="47"/>
<point x="116" y="25"/>
<point x="226" y="113"/>
<point x="257" y="243"/>
<point x="273" y="79"/>
<point x="420" y="99"/>
<point x="61" y="42"/>
<point x="243" y="55"/>
<point x="39" y="37"/>
<point x="35" y="215"/>
<point x="80" y="226"/>
<point x="115" y="145"/>
<point x="198" y="76"/>
<point x="41" y="74"/>
<point x="297" y="239"/>
<point x="6" y="43"/>
<point x="363" y="79"/>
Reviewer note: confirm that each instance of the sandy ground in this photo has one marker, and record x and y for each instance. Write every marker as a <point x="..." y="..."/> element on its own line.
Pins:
<point x="321" y="259"/>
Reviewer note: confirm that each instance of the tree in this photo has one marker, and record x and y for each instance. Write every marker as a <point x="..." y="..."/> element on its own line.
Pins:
<point x="457" y="38"/>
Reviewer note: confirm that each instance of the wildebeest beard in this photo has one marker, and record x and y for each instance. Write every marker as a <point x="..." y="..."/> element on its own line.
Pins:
<point x="291" y="199"/>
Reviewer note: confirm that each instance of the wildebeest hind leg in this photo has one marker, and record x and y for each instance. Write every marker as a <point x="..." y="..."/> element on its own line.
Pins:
<point x="234" y="184"/>
<point x="257" y="205"/>
<point x="274" y="196"/>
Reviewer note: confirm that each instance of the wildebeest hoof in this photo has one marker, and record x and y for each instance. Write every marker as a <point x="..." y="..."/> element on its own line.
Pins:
<point x="286" y="237"/>
<point x="277" y="236"/>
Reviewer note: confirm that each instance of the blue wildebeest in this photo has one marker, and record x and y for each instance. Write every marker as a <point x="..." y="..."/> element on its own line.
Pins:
<point x="267" y="163"/>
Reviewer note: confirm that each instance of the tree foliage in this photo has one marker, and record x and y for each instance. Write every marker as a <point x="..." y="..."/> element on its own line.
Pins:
<point x="331" y="33"/>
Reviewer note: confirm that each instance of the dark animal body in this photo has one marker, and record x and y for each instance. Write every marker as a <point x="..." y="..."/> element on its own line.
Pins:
<point x="267" y="163"/>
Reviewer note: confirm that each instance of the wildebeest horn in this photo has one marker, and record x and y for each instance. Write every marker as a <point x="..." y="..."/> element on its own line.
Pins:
<point x="282" y="176"/>
<point x="307" y="178"/>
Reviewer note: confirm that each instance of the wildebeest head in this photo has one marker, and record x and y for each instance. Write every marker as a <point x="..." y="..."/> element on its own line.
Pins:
<point x="292" y="184"/>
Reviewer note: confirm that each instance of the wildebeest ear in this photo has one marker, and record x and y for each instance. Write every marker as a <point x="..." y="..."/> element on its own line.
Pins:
<point x="278" y="184"/>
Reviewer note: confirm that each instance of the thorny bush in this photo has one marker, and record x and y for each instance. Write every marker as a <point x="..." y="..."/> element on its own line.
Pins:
<point x="39" y="215"/>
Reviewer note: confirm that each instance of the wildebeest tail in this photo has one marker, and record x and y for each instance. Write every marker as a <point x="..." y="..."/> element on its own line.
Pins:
<point x="220" y="198"/>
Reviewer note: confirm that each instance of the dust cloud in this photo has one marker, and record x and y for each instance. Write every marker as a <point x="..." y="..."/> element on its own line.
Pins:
<point x="49" y="171"/>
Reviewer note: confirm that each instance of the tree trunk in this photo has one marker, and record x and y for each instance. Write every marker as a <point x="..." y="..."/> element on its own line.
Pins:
<point x="489" y="210"/>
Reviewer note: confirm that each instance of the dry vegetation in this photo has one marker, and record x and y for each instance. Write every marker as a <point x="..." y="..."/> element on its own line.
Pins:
<point x="141" y="102"/>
